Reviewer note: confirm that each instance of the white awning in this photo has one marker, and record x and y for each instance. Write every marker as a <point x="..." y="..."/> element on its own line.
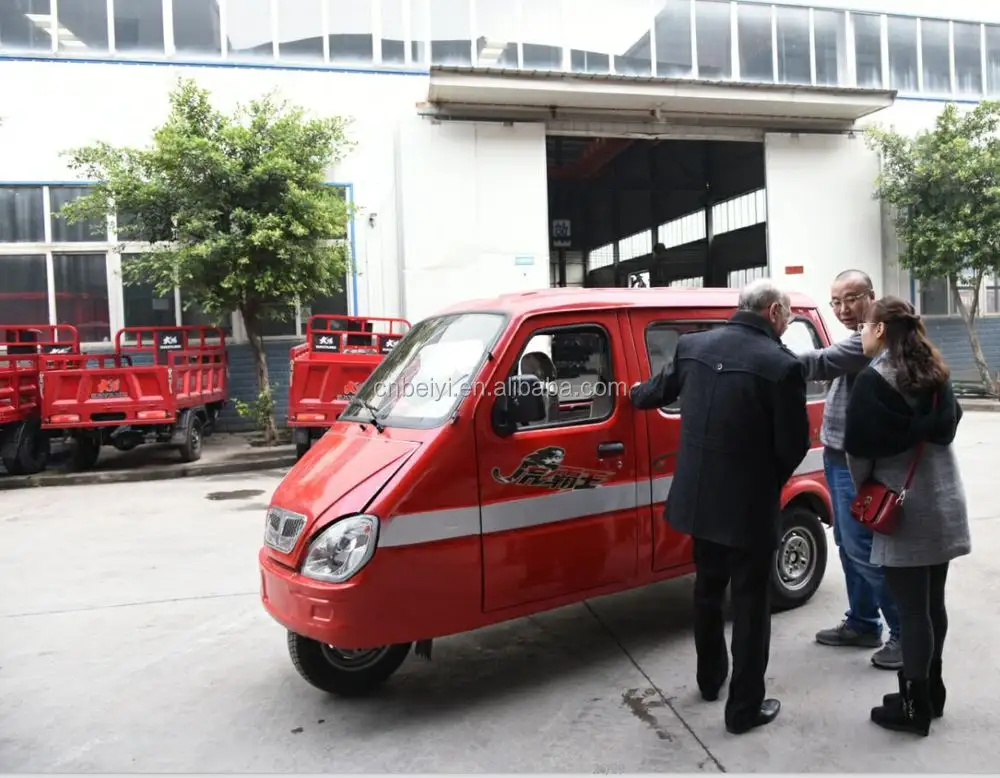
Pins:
<point x="475" y="92"/>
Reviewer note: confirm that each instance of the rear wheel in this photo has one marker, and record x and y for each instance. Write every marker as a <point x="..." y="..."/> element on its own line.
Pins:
<point x="342" y="672"/>
<point x="27" y="450"/>
<point x="86" y="452"/>
<point x="191" y="447"/>
<point x="302" y="448"/>
<point x="800" y="561"/>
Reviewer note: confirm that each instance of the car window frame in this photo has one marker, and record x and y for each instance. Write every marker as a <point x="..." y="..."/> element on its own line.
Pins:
<point x="552" y="330"/>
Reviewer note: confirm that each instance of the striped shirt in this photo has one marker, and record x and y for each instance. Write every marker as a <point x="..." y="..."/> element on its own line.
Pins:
<point x="838" y="363"/>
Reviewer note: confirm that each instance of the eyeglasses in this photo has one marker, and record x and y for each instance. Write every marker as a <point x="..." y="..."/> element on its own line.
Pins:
<point x="847" y="299"/>
<point x="861" y="327"/>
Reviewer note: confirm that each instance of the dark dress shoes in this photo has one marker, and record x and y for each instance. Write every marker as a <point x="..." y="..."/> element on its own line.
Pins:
<point x="768" y="712"/>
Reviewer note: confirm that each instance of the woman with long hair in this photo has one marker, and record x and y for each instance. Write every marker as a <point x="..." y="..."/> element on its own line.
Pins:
<point x="903" y="412"/>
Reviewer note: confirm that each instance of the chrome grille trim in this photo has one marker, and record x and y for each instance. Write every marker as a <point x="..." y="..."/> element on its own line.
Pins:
<point x="282" y="529"/>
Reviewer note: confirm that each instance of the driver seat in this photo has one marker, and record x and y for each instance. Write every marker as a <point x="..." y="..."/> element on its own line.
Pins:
<point x="538" y="364"/>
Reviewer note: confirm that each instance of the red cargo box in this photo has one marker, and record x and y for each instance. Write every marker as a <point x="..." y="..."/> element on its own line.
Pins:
<point x="122" y="399"/>
<point x="339" y="354"/>
<point x="25" y="350"/>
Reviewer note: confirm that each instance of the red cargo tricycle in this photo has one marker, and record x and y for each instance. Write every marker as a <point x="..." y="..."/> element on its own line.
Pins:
<point x="25" y="352"/>
<point x="327" y="370"/>
<point x="161" y="384"/>
<point x="493" y="467"/>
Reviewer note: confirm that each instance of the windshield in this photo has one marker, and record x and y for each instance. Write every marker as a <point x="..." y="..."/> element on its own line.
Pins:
<point x="421" y="381"/>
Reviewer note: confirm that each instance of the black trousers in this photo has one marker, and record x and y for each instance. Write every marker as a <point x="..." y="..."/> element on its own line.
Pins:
<point x="749" y="574"/>
<point x="919" y="596"/>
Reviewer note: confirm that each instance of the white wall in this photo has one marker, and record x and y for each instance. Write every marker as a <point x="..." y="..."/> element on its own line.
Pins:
<point x="475" y="198"/>
<point x="820" y="213"/>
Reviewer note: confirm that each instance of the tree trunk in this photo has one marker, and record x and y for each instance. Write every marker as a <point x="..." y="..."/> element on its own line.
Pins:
<point x="265" y="417"/>
<point x="969" y="317"/>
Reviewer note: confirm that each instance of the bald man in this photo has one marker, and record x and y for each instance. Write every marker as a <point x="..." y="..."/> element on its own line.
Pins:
<point x="851" y="297"/>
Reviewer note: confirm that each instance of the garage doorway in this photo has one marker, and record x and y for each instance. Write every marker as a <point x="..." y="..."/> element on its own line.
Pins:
<point x="636" y="212"/>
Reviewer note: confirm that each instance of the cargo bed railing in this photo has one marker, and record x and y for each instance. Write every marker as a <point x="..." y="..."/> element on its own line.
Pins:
<point x="336" y="334"/>
<point x="24" y="350"/>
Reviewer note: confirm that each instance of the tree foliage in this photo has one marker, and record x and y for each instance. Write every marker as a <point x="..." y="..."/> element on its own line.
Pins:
<point x="944" y="184"/>
<point x="235" y="209"/>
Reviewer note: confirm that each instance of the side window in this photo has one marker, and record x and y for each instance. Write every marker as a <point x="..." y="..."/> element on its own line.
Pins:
<point x="800" y="337"/>
<point x="661" y="343"/>
<point x="574" y="364"/>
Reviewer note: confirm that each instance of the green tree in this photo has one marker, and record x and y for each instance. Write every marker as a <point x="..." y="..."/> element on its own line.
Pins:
<point x="944" y="185"/>
<point x="235" y="209"/>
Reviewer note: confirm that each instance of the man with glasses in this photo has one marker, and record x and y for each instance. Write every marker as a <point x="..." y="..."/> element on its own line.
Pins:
<point x="852" y="294"/>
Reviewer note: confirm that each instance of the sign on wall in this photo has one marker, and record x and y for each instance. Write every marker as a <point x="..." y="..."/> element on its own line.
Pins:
<point x="561" y="233"/>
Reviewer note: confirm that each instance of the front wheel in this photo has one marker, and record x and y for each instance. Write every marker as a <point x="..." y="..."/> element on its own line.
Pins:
<point x="800" y="561"/>
<point x="342" y="672"/>
<point x="191" y="447"/>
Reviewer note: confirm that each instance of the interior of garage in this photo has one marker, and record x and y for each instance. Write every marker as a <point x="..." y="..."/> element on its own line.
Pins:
<point x="661" y="212"/>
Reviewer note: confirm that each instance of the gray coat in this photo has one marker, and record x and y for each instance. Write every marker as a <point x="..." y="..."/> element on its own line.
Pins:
<point x="882" y="431"/>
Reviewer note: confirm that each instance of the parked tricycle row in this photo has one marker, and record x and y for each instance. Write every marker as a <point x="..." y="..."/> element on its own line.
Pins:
<point x="165" y="385"/>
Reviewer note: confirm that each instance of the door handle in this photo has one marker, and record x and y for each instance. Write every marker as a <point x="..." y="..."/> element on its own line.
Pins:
<point x="610" y="449"/>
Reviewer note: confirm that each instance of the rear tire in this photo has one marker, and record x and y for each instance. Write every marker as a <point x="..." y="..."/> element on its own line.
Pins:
<point x="191" y="447"/>
<point x="301" y="449"/>
<point x="800" y="560"/>
<point x="344" y="673"/>
<point x="86" y="452"/>
<point x="30" y="449"/>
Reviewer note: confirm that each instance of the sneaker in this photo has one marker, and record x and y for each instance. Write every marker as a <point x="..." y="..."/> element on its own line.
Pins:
<point x="890" y="656"/>
<point x="844" y="635"/>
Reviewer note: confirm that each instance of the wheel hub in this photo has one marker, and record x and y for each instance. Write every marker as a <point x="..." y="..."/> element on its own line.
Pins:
<point x="796" y="558"/>
<point x="354" y="660"/>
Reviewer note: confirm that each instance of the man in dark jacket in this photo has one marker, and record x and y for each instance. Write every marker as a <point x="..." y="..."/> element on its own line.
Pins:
<point x="744" y="431"/>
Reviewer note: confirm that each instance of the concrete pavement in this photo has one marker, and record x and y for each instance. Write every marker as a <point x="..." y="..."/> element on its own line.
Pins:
<point x="132" y="639"/>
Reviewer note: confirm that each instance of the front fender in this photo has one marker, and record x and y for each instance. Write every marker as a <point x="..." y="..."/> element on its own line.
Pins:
<point x="810" y="490"/>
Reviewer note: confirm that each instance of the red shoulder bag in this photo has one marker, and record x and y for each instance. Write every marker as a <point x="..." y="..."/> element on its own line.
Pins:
<point x="877" y="506"/>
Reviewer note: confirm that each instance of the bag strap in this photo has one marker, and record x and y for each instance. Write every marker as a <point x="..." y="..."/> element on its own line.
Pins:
<point x="916" y="458"/>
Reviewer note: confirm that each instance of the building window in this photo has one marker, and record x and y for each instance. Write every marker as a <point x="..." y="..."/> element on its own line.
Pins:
<point x="82" y="27"/>
<point x="24" y="289"/>
<point x="830" y="31"/>
<point x="903" y="73"/>
<point x="968" y="59"/>
<point x="713" y="30"/>
<point x="936" y="298"/>
<point x="394" y="33"/>
<point x="545" y="31"/>
<point x="197" y="28"/>
<point x="79" y="232"/>
<point x="496" y="34"/>
<point x="635" y="56"/>
<point x="793" y="45"/>
<point x="935" y="50"/>
<point x="81" y="283"/>
<point x="26" y="25"/>
<point x="300" y="30"/>
<point x="139" y="26"/>
<point x="672" y="28"/>
<point x="349" y="23"/>
<point x="756" y="54"/>
<point x="144" y="306"/>
<point x="868" y="49"/>
<point x="993" y="59"/>
<point x="451" y="32"/>
<point x="22" y="214"/>
<point x="249" y="30"/>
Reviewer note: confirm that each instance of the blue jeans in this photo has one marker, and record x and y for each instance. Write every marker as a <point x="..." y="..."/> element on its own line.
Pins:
<point x="867" y="592"/>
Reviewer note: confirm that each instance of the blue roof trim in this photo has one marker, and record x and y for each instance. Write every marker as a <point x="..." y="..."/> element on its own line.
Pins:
<point x="219" y="63"/>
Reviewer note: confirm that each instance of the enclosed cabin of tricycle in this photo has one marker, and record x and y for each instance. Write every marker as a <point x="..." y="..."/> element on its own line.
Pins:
<point x="325" y="372"/>
<point x="26" y="352"/>
<point x="166" y="384"/>
<point x="493" y="467"/>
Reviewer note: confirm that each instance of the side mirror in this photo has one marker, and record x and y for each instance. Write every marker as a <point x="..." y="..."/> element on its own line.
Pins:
<point x="523" y="401"/>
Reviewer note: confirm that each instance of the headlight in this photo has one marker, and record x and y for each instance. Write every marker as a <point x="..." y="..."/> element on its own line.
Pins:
<point x="342" y="549"/>
<point x="282" y="528"/>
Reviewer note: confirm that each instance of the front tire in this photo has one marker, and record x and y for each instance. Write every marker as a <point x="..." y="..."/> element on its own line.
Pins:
<point x="344" y="673"/>
<point x="86" y="452"/>
<point x="191" y="447"/>
<point x="800" y="561"/>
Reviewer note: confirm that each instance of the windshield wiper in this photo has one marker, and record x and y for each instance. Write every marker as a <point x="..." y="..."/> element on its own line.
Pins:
<point x="374" y="412"/>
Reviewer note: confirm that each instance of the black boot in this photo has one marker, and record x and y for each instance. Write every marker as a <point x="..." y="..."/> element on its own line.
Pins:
<point x="937" y="692"/>
<point x="912" y="713"/>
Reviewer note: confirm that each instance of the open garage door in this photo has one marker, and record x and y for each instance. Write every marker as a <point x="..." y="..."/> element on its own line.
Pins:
<point x="473" y="211"/>
<point x="821" y="217"/>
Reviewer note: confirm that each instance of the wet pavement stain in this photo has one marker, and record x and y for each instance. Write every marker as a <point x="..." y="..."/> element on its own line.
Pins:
<point x="236" y="494"/>
<point x="640" y="704"/>
<point x="298" y="730"/>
